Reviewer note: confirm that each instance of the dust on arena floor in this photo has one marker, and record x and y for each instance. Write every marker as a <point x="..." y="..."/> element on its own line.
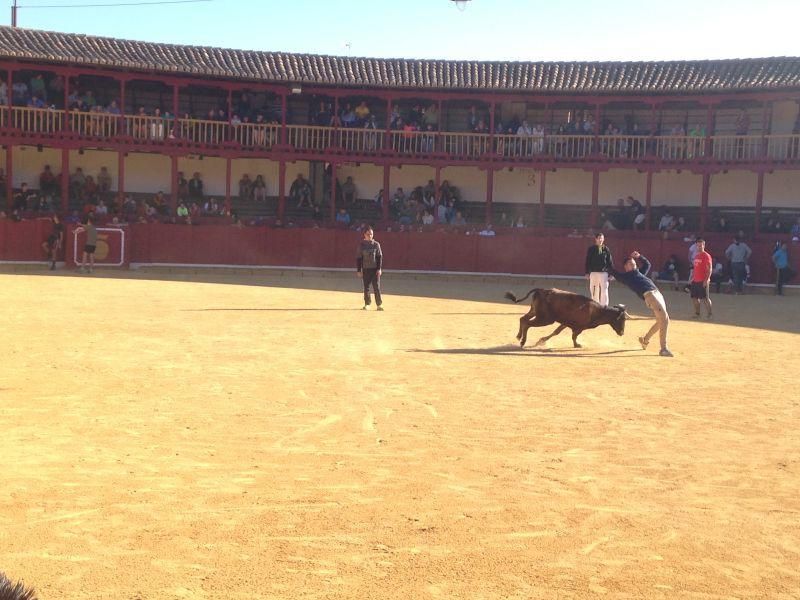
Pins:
<point x="196" y="435"/>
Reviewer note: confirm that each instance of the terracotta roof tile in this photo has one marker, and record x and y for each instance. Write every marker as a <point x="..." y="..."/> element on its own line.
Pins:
<point x="752" y="74"/>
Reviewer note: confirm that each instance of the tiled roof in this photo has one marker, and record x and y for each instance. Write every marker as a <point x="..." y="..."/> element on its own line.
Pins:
<point x="751" y="74"/>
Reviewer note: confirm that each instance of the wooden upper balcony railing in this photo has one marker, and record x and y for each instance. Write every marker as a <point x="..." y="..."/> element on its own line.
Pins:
<point x="452" y="145"/>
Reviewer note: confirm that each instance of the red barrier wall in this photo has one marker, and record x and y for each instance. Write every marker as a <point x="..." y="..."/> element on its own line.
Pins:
<point x="519" y="252"/>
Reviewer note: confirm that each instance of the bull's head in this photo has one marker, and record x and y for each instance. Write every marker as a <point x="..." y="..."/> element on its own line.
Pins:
<point x="618" y="322"/>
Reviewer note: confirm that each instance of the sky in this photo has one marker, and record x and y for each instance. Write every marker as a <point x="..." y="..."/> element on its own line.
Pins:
<point x="503" y="30"/>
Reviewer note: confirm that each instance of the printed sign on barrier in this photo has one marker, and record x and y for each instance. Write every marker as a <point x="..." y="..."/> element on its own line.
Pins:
<point x="110" y="249"/>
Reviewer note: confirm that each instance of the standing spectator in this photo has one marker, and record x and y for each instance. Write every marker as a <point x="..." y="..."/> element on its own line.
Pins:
<point x="718" y="275"/>
<point x="245" y="188"/>
<point x="369" y="263"/>
<point x="77" y="181"/>
<point x="702" y="266"/>
<point x="21" y="198"/>
<point x="103" y="181"/>
<point x="637" y="213"/>
<point x="784" y="273"/>
<point x="91" y="243"/>
<point x="47" y="182"/>
<point x="638" y="282"/>
<point x="598" y="265"/>
<point x="54" y="242"/>
<point x="349" y="191"/>
<point x="667" y="222"/>
<point x="183" y="187"/>
<point x="738" y="253"/>
<point x="196" y="188"/>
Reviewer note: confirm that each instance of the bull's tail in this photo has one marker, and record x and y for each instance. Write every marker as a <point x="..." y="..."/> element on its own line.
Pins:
<point x="513" y="298"/>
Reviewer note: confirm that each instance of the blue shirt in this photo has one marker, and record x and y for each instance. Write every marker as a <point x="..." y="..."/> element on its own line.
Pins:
<point x="780" y="258"/>
<point x="636" y="280"/>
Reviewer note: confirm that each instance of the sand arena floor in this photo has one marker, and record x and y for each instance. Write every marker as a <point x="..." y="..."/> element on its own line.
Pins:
<point x="258" y="436"/>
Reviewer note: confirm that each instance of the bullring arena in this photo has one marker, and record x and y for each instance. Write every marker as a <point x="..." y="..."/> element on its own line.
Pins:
<point x="219" y="434"/>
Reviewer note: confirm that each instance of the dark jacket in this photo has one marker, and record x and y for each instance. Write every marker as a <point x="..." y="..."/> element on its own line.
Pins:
<point x="598" y="260"/>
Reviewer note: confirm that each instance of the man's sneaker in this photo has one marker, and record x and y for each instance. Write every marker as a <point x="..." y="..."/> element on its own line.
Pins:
<point x="365" y="307"/>
<point x="665" y="352"/>
<point x="696" y="316"/>
<point x="380" y="308"/>
<point x="643" y="342"/>
<point x="710" y="316"/>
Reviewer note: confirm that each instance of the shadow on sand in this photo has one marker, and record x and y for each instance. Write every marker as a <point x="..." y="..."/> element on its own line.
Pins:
<point x="514" y="350"/>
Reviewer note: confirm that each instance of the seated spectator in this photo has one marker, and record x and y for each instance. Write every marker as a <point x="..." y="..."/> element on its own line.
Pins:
<point x="22" y="198"/>
<point x="347" y="116"/>
<point x="796" y="230"/>
<point x="362" y="113"/>
<point x="621" y="217"/>
<point x="90" y="189"/>
<point x="669" y="272"/>
<point x="260" y="189"/>
<point x="667" y="222"/>
<point x="101" y="209"/>
<point x="636" y="213"/>
<point x="211" y="207"/>
<point x="245" y="187"/>
<point x="129" y="207"/>
<point x="300" y="192"/>
<point x="441" y="213"/>
<point x="681" y="225"/>
<point x="721" y="224"/>
<point x="606" y="223"/>
<point x="77" y="181"/>
<point x="487" y="231"/>
<point x="774" y="224"/>
<point x="349" y="191"/>
<point x="427" y="218"/>
<point x="343" y="217"/>
<point x="718" y="275"/>
<point x="459" y="220"/>
<point x="182" y="211"/>
<point x="430" y="120"/>
<point x="519" y="223"/>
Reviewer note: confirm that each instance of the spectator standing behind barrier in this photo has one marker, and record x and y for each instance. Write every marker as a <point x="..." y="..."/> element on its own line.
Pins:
<point x="702" y="266"/>
<point x="784" y="273"/>
<point x="54" y="242"/>
<point x="598" y="264"/>
<point x="369" y="262"/>
<point x="738" y="253"/>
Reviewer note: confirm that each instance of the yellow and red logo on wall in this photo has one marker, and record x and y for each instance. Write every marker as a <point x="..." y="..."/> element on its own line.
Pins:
<point x="109" y="250"/>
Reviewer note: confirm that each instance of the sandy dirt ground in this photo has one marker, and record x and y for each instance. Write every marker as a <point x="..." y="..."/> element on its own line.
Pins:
<point x="259" y="436"/>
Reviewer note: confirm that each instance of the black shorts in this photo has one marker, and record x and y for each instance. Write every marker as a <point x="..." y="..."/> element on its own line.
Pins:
<point x="698" y="291"/>
<point x="89" y="249"/>
<point x="52" y="242"/>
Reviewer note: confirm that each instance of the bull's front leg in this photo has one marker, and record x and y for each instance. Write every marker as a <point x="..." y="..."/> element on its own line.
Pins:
<point x="524" y="323"/>
<point x="575" y="334"/>
<point x="558" y="330"/>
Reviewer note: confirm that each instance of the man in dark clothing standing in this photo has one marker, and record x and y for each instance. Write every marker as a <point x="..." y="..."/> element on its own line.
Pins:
<point x="369" y="261"/>
<point x="643" y="287"/>
<point x="598" y="263"/>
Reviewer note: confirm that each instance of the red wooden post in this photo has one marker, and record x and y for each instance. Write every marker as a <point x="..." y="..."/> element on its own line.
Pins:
<point x="229" y="128"/>
<point x="648" y="200"/>
<point x="387" y="144"/>
<point x="759" y="200"/>
<point x="492" y="108"/>
<point x="596" y="141"/>
<point x="228" y="169"/>
<point x="709" y="150"/>
<point x="542" y="176"/>
<point x="66" y="125"/>
<point x="9" y="172"/>
<point x="385" y="199"/>
<point x="333" y="192"/>
<point x="120" y="178"/>
<point x="283" y="121"/>
<point x="121" y="130"/>
<point x="281" y="189"/>
<point x="9" y="98"/>
<point x="175" y="109"/>
<point x="766" y="125"/>
<point x="595" y="198"/>
<point x="489" y="193"/>
<point x="174" y="179"/>
<point x="64" y="179"/>
<point x="704" y="201"/>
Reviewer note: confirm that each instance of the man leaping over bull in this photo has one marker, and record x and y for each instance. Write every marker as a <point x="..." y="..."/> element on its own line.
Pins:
<point x="643" y="287"/>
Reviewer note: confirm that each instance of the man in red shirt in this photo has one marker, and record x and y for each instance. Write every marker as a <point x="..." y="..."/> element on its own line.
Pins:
<point x="701" y="276"/>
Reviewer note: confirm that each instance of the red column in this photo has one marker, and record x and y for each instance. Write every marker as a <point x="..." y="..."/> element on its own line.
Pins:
<point x="709" y="150"/>
<point x="653" y="126"/>
<point x="64" y="179"/>
<point x="174" y="179"/>
<point x="228" y="169"/>
<point x="281" y="189"/>
<point x="10" y="172"/>
<point x="385" y="199"/>
<point x="9" y="98"/>
<point x="333" y="192"/>
<point x="120" y="178"/>
<point x="283" y="121"/>
<point x="229" y="135"/>
<point x="542" y="179"/>
<point x="66" y="124"/>
<point x="595" y="198"/>
<point x="759" y="200"/>
<point x="704" y="201"/>
<point x="648" y="200"/>
<point x="489" y="193"/>
<point x="387" y="144"/>
<point x="121" y="130"/>
<point x="596" y="141"/>
<point x="766" y="125"/>
<point x="175" y="108"/>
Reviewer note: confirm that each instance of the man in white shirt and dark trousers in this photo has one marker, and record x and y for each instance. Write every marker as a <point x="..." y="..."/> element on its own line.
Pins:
<point x="598" y="264"/>
<point x="369" y="261"/>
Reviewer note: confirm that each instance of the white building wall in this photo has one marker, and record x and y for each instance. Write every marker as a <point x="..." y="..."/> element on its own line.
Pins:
<point x="28" y="164"/>
<point x="368" y="179"/>
<point x="519" y="186"/>
<point x="568" y="186"/>
<point x="784" y="115"/>
<point x="671" y="188"/>
<point x="782" y="189"/>
<point x="734" y="188"/>
<point x="409" y="177"/>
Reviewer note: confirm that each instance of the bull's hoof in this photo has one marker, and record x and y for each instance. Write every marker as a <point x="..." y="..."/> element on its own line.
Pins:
<point x="522" y="343"/>
<point x="539" y="343"/>
<point x="578" y="346"/>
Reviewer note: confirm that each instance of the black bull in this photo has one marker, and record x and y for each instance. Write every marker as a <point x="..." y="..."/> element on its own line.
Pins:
<point x="568" y="310"/>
